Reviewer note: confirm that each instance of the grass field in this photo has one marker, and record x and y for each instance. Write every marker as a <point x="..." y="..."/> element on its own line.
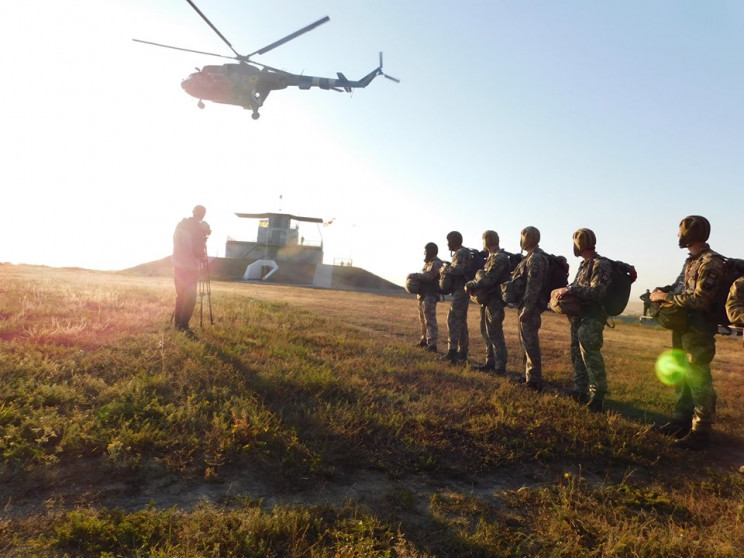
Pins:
<point x="304" y="422"/>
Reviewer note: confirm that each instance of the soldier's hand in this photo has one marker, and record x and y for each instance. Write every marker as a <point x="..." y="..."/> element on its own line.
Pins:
<point x="658" y="296"/>
<point x="561" y="293"/>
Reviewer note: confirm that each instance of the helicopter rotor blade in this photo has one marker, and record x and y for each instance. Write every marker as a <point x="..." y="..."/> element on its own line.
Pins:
<point x="288" y="38"/>
<point x="383" y="74"/>
<point x="186" y="49"/>
<point x="221" y="36"/>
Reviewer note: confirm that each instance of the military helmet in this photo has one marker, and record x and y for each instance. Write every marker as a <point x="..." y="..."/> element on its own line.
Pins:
<point x="693" y="228"/>
<point x="584" y="239"/>
<point x="455" y="237"/>
<point x="431" y="250"/>
<point x="530" y="237"/>
<point x="490" y="238"/>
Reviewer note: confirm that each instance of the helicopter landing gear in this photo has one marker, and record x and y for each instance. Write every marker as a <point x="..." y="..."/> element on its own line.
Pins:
<point x="200" y="104"/>
<point x="255" y="115"/>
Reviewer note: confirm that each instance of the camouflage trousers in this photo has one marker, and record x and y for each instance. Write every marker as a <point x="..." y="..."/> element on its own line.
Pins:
<point x="428" y="316"/>
<point x="492" y="330"/>
<point x="528" y="337"/>
<point x="457" y="322"/>
<point x="696" y="398"/>
<point x="590" y="375"/>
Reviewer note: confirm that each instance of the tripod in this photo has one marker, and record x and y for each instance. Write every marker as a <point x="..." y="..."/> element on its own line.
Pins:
<point x="205" y="288"/>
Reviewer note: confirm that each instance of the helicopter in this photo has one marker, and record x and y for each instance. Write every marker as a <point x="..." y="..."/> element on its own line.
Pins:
<point x="247" y="83"/>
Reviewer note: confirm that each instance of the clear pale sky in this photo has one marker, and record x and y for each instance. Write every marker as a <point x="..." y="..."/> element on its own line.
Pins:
<point x="621" y="116"/>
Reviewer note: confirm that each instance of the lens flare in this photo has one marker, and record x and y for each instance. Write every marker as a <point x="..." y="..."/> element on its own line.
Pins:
<point x="672" y="366"/>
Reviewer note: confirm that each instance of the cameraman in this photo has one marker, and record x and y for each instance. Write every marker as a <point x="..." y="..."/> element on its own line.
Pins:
<point x="189" y="253"/>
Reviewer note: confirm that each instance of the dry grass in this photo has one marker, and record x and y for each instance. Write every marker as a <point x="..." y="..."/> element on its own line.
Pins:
<point x="305" y="423"/>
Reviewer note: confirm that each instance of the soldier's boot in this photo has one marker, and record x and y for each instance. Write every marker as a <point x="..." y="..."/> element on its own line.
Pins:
<point x="432" y="348"/>
<point x="421" y="343"/>
<point x="581" y="397"/>
<point x="462" y="357"/>
<point x="595" y="405"/>
<point x="696" y="440"/>
<point x="487" y="366"/>
<point x="675" y="428"/>
<point x="532" y="385"/>
<point x="450" y="357"/>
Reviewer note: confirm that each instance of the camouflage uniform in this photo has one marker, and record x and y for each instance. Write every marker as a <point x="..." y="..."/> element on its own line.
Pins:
<point x="735" y="302"/>
<point x="496" y="271"/>
<point x="695" y="290"/>
<point x="590" y="286"/>
<point x="457" y="317"/>
<point x="427" y="301"/>
<point x="532" y="271"/>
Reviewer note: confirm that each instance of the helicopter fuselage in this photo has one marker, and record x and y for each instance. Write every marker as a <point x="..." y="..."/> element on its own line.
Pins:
<point x="233" y="84"/>
<point x="248" y="86"/>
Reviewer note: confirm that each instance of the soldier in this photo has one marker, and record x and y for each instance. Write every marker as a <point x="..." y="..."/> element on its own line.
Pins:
<point x="695" y="290"/>
<point x="735" y="310"/>
<point x="531" y="274"/>
<point x="735" y="302"/>
<point x="189" y="253"/>
<point x="487" y="283"/>
<point x="589" y="286"/>
<point x="457" y="317"/>
<point x="646" y="298"/>
<point x="428" y="297"/>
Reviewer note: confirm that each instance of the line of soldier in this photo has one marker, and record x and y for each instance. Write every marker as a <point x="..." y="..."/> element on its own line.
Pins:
<point x="694" y="290"/>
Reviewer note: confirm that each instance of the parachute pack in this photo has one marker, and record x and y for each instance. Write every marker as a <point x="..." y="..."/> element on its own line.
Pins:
<point x="618" y="289"/>
<point x="557" y="273"/>
<point x="476" y="261"/>
<point x="512" y="292"/>
<point x="413" y="283"/>
<point x="734" y="268"/>
<point x="676" y="317"/>
<point x="514" y="260"/>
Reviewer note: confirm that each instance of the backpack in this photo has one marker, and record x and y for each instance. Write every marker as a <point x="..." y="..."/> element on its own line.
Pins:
<point x="618" y="289"/>
<point x="514" y="260"/>
<point x="512" y="292"/>
<point x="557" y="273"/>
<point x="734" y="268"/>
<point x="476" y="261"/>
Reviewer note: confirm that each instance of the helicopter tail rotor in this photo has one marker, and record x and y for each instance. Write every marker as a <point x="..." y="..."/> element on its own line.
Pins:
<point x="383" y="74"/>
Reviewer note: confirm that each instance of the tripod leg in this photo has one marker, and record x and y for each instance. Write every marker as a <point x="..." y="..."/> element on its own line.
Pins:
<point x="209" y="301"/>
<point x="201" y="304"/>
<point x="209" y="292"/>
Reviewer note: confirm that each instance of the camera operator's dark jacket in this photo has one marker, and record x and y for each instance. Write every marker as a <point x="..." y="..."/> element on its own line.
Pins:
<point x="189" y="245"/>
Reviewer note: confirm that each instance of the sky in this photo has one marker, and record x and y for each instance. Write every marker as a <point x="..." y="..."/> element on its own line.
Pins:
<point x="620" y="116"/>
